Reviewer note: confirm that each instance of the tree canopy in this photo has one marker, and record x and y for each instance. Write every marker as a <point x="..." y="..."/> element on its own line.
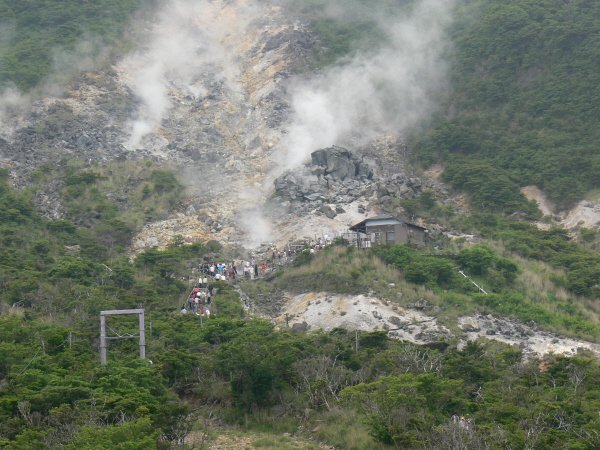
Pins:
<point x="524" y="105"/>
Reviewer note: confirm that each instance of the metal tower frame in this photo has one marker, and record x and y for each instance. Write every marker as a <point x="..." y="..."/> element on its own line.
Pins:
<point x="103" y="338"/>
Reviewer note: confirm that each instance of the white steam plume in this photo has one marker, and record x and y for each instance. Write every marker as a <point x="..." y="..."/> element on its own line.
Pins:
<point x="391" y="89"/>
<point x="257" y="227"/>
<point x="186" y="41"/>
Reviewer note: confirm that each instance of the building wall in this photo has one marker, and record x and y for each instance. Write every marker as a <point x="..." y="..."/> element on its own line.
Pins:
<point x="418" y="235"/>
<point x="378" y="233"/>
<point x="403" y="233"/>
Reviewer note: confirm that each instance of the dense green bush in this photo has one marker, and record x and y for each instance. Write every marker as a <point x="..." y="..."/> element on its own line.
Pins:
<point x="553" y="246"/>
<point x="524" y="109"/>
<point x="165" y="181"/>
<point x="490" y="188"/>
<point x="228" y="301"/>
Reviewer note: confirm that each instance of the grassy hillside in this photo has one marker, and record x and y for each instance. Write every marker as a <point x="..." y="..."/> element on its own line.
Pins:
<point x="135" y="192"/>
<point x="527" y="289"/>
<point x="33" y="34"/>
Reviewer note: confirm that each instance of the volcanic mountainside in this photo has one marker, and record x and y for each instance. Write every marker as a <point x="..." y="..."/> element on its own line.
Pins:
<point x="222" y="128"/>
<point x="219" y="114"/>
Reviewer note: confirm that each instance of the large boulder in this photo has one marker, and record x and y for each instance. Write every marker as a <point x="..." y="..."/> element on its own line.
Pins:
<point x="420" y="304"/>
<point x="347" y="175"/>
<point x="84" y="141"/>
<point x="300" y="327"/>
<point x="327" y="211"/>
<point x="341" y="164"/>
<point x="337" y="161"/>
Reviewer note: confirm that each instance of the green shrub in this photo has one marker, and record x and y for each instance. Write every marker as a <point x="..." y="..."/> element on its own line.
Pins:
<point x="587" y="234"/>
<point x="227" y="301"/>
<point x="81" y="178"/>
<point x="164" y="181"/>
<point x="478" y="259"/>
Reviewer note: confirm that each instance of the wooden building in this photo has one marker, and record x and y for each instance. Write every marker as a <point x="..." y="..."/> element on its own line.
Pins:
<point x="385" y="229"/>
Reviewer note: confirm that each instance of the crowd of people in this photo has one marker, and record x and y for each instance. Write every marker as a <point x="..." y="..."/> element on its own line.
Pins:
<point x="201" y="296"/>
<point x="248" y="268"/>
<point x="461" y="421"/>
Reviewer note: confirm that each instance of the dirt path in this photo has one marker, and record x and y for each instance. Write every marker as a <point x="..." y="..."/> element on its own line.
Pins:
<point x="237" y="440"/>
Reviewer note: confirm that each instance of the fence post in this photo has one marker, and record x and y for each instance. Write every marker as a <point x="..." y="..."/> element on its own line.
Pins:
<point x="142" y="337"/>
<point x="102" y="339"/>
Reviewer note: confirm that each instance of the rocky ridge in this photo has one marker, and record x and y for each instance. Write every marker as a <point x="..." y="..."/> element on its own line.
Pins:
<point x="338" y="176"/>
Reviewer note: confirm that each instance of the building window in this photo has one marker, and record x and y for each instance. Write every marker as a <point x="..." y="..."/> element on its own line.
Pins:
<point x="390" y="236"/>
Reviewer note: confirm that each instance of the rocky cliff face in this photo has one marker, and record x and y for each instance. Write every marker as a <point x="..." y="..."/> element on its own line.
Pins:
<point x="339" y="176"/>
<point x="417" y="322"/>
<point x="219" y="131"/>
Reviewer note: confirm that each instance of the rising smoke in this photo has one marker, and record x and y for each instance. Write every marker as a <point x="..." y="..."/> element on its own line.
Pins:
<point x="188" y="40"/>
<point x="390" y="89"/>
<point x="257" y="227"/>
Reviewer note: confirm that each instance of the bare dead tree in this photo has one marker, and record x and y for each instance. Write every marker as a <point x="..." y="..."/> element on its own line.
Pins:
<point x="576" y="376"/>
<point x="24" y="408"/>
<point x="207" y="422"/>
<point x="180" y="429"/>
<point x="452" y="437"/>
<point x="323" y="378"/>
<point x="416" y="360"/>
<point x="534" y="428"/>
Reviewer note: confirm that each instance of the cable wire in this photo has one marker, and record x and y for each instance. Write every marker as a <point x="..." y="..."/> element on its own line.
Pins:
<point x="36" y="353"/>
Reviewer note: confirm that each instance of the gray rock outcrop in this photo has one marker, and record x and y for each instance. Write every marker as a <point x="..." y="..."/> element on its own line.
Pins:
<point x="337" y="176"/>
<point x="333" y="170"/>
<point x="300" y="327"/>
